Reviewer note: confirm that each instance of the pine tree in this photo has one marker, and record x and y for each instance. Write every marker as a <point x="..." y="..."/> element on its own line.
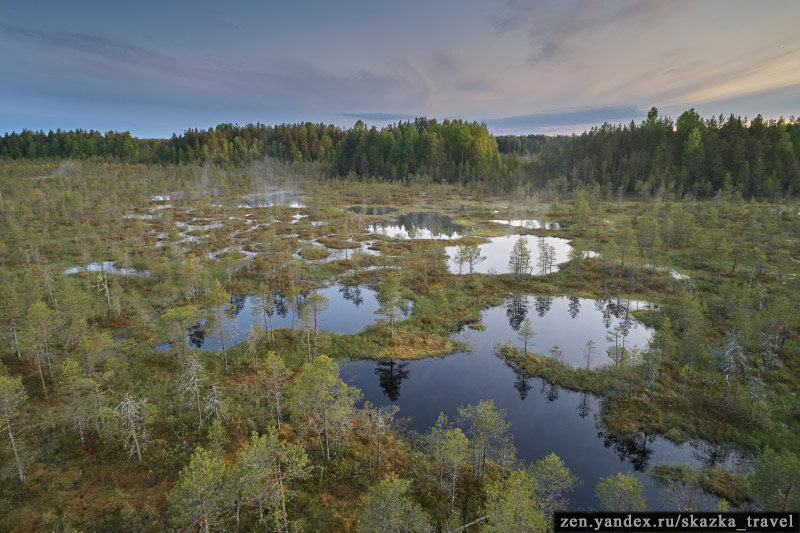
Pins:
<point x="520" y="258"/>
<point x="200" y="497"/>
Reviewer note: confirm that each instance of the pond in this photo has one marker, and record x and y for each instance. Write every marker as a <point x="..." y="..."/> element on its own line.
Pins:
<point x="566" y="321"/>
<point x="528" y="223"/>
<point x="372" y="209"/>
<point x="263" y="200"/>
<point x="498" y="250"/>
<point x="422" y="225"/>
<point x="544" y="418"/>
<point x="108" y="267"/>
<point x="351" y="308"/>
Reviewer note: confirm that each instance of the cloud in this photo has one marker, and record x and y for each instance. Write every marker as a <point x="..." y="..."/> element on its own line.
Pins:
<point x="104" y="48"/>
<point x="565" y="117"/>
<point x="305" y="85"/>
<point x="376" y="117"/>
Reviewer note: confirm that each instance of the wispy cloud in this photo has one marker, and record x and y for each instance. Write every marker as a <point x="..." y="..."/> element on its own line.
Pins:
<point x="565" y="117"/>
<point x="378" y="116"/>
<point x="97" y="46"/>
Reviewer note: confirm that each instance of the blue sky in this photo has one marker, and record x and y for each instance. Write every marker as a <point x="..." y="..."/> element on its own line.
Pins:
<point x="157" y="68"/>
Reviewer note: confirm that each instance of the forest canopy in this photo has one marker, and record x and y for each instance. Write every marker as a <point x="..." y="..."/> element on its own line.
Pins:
<point x="757" y="158"/>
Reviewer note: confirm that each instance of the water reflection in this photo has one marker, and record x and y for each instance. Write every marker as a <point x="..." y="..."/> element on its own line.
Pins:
<point x="516" y="310"/>
<point x="390" y="375"/>
<point x="542" y="304"/>
<point x="351" y="308"/>
<point x="574" y="306"/>
<point x="584" y="406"/>
<point x="197" y="335"/>
<point x="555" y="420"/>
<point x="498" y="250"/>
<point x="522" y="383"/>
<point x="568" y="322"/>
<point x="423" y="225"/>
<point x="635" y="448"/>
<point x="352" y="293"/>
<point x="371" y="210"/>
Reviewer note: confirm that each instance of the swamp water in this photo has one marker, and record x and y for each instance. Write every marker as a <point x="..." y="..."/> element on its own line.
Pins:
<point x="422" y="225"/>
<point x="544" y="418"/>
<point x="351" y="308"/>
<point x="498" y="250"/>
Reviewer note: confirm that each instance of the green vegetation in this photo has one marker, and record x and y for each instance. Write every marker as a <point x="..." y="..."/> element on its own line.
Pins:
<point x="759" y="158"/>
<point x="113" y="419"/>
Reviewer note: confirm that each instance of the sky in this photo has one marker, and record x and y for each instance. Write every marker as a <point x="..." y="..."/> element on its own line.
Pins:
<point x="155" y="68"/>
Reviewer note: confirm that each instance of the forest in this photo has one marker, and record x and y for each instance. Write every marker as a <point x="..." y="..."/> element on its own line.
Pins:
<point x="418" y="328"/>
<point x="759" y="158"/>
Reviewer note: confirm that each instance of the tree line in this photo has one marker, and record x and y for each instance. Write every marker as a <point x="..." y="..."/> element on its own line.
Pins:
<point x="759" y="158"/>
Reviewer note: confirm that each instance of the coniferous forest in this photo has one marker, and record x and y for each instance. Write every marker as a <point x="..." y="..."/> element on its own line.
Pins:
<point x="759" y="158"/>
<point x="422" y="327"/>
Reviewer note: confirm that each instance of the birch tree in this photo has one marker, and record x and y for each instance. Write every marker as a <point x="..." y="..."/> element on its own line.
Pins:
<point x="214" y="406"/>
<point x="37" y="335"/>
<point x="12" y="398"/>
<point x="731" y="357"/>
<point x="132" y="420"/>
<point x="192" y="380"/>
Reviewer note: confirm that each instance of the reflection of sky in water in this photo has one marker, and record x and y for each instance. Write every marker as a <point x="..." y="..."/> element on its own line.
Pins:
<point x="371" y="210"/>
<point x="425" y="225"/>
<point x="262" y="200"/>
<point x="498" y="250"/>
<point x="544" y="418"/>
<point x="108" y="267"/>
<point x="351" y="308"/>
<point x="564" y="321"/>
<point x="528" y="223"/>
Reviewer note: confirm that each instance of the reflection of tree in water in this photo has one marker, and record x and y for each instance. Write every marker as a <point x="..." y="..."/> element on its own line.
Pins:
<point x="352" y="293"/>
<point x="390" y="376"/>
<point x="687" y="494"/>
<point x="522" y="383"/>
<point x="237" y="304"/>
<point x="552" y="392"/>
<point x="630" y="447"/>
<point x="584" y="407"/>
<point x="574" y="306"/>
<point x="436" y="223"/>
<point x="197" y="335"/>
<point x="549" y="390"/>
<point x="542" y="305"/>
<point x="602" y="307"/>
<point x="281" y="308"/>
<point x="516" y="310"/>
<point x="712" y="454"/>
